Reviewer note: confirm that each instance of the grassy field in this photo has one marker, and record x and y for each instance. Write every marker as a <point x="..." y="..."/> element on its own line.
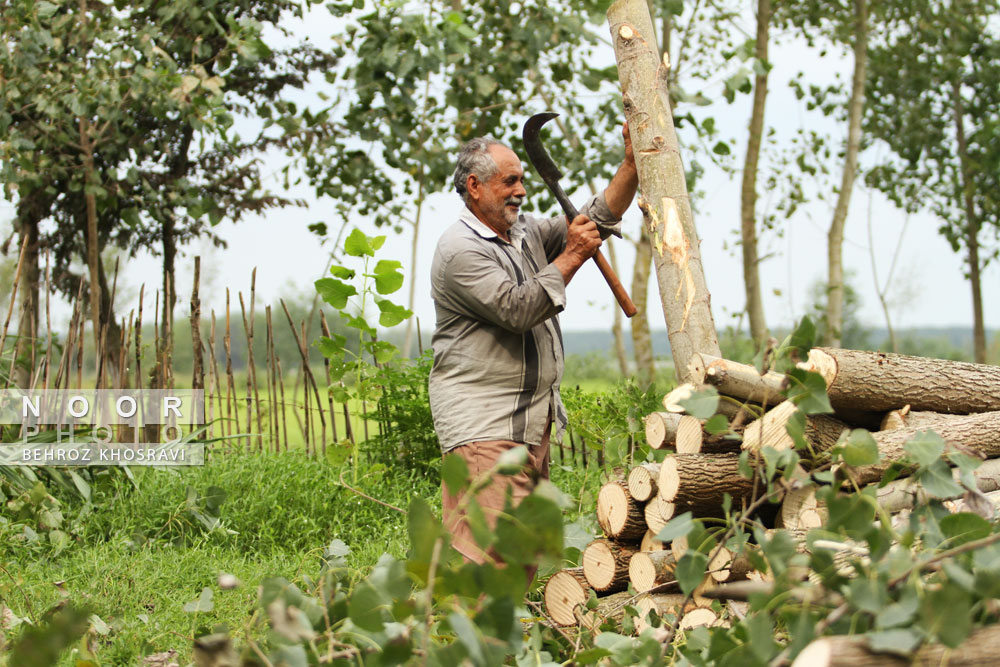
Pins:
<point x="139" y="556"/>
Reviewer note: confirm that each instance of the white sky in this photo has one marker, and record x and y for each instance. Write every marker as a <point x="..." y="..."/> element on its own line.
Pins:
<point x="928" y="282"/>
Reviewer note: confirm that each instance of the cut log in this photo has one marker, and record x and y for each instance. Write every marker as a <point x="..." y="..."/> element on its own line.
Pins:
<point x="664" y="199"/>
<point x="642" y="481"/>
<point x="980" y="648"/>
<point x="881" y="382"/>
<point x="650" y="543"/>
<point x="822" y="432"/>
<point x="904" y="418"/>
<point x="620" y="517"/>
<point x="609" y="609"/>
<point x="800" y="510"/>
<point x="689" y="435"/>
<point x="679" y="547"/>
<point x="647" y="569"/>
<point x="682" y="392"/>
<point x="565" y="592"/>
<point x="700" y="481"/>
<point x="605" y="565"/>
<point x="657" y="513"/>
<point x="742" y="381"/>
<point x="661" y="429"/>
<point x="662" y="604"/>
<point x="725" y="567"/>
<point x="697" y="618"/>
<point x="976" y="432"/>
<point x="904" y="494"/>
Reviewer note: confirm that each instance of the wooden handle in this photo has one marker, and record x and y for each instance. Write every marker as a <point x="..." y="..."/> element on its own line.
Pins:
<point x="616" y="285"/>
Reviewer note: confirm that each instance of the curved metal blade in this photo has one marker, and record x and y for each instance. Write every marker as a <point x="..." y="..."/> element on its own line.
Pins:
<point x="531" y="134"/>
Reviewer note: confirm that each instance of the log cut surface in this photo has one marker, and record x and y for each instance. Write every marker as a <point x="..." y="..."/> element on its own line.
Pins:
<point x="564" y="592"/>
<point x="605" y="565"/>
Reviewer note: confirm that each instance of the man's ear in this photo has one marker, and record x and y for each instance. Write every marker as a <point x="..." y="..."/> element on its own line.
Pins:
<point x="473" y="186"/>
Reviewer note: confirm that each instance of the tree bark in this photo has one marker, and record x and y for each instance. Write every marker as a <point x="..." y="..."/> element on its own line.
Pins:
<point x="877" y="381"/>
<point x="605" y="564"/>
<point x="979" y="648"/>
<point x="748" y="192"/>
<point x="642" y="343"/>
<point x="977" y="433"/>
<point x="971" y="229"/>
<point x="822" y="432"/>
<point x="835" y="237"/>
<point x="665" y="203"/>
<point x="620" y="517"/>
<point x="699" y="481"/>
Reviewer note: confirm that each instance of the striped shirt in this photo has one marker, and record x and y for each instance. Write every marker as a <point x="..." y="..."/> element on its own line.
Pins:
<point x="498" y="353"/>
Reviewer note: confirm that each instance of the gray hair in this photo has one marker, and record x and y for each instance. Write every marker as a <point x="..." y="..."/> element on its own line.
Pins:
<point x="475" y="158"/>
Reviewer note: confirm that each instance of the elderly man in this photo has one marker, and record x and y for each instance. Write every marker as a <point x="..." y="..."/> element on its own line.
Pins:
<point x="499" y="281"/>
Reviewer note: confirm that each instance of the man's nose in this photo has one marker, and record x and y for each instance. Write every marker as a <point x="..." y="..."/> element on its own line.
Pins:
<point x="519" y="190"/>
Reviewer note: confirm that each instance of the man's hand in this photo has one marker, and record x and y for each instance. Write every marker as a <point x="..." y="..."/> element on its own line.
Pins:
<point x="582" y="241"/>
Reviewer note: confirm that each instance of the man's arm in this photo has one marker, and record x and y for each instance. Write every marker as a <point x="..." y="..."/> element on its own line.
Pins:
<point x="623" y="185"/>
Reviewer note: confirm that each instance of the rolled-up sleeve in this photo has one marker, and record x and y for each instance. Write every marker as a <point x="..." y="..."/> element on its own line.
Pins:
<point x="553" y="230"/>
<point x="474" y="281"/>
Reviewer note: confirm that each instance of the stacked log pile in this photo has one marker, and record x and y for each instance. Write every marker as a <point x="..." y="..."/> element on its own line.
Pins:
<point x="897" y="396"/>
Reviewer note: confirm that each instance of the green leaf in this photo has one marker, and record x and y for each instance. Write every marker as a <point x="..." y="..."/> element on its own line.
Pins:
<point x="46" y="9"/>
<point x="679" y="526"/>
<point x="860" y="449"/>
<point x="925" y="447"/>
<point x="383" y="351"/>
<point x="130" y="216"/>
<point x="947" y="613"/>
<point x="964" y="527"/>
<point x="391" y="313"/>
<point x="335" y="292"/>
<point x="342" y="272"/>
<point x="512" y="461"/>
<point x="761" y="634"/>
<point x="591" y="655"/>
<point x="388" y="277"/>
<point x="938" y="481"/>
<point x="901" y="641"/>
<point x="358" y="245"/>
<point x="332" y="348"/>
<point x="721" y="148"/>
<point x="808" y="391"/>
<point x="691" y="570"/>
<point x="717" y="424"/>
<point x="466" y="633"/>
<point x="202" y="604"/>
<point x="365" y="607"/>
<point x="701" y="404"/>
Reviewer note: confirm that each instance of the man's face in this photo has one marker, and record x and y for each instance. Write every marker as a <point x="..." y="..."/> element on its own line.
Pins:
<point x="500" y="198"/>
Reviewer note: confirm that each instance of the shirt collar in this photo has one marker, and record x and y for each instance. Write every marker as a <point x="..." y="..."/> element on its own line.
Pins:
<point x="516" y="233"/>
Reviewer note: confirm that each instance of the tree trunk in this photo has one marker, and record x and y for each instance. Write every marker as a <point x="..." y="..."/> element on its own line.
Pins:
<point x="976" y="433"/>
<point x="605" y="564"/>
<point x="748" y="193"/>
<point x="620" y="517"/>
<point x="835" y="238"/>
<point x="92" y="245"/>
<point x="662" y="181"/>
<point x="197" y="365"/>
<point x="616" y="323"/>
<point x="877" y="381"/>
<point x="27" y="326"/>
<point x="642" y="342"/>
<point x="971" y="230"/>
<point x="979" y="648"/>
<point x="699" y="481"/>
